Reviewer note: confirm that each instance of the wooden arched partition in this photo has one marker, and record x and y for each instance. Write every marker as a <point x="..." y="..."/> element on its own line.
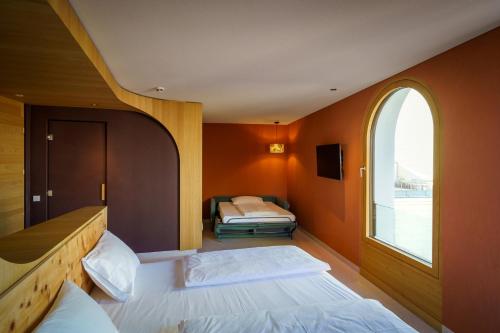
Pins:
<point x="182" y="119"/>
<point x="141" y="165"/>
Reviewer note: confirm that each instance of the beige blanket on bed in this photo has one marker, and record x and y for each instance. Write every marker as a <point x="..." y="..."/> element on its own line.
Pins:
<point x="256" y="210"/>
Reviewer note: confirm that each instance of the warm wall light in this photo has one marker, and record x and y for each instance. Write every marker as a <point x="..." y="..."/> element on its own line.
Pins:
<point x="276" y="148"/>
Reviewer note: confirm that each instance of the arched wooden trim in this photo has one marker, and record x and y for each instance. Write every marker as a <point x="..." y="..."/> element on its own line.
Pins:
<point x="404" y="270"/>
<point x="375" y="110"/>
<point x="182" y="119"/>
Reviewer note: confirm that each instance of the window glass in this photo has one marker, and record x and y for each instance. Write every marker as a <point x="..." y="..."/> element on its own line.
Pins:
<point x="402" y="155"/>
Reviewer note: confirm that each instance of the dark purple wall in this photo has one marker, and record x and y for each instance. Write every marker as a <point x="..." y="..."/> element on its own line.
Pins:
<point x="142" y="174"/>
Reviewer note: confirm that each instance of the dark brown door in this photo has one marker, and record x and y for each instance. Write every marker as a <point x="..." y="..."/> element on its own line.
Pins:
<point x="76" y="165"/>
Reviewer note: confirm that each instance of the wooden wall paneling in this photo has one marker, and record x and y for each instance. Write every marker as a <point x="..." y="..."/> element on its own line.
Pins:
<point x="23" y="250"/>
<point x="182" y="119"/>
<point x="418" y="291"/>
<point x="24" y="303"/>
<point x="11" y="166"/>
<point x="42" y="61"/>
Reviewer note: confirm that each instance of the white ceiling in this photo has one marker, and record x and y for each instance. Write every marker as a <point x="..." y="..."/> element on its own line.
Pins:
<point x="260" y="61"/>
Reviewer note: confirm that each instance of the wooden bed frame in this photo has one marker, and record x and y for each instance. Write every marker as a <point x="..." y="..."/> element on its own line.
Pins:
<point x="34" y="263"/>
<point x="250" y="230"/>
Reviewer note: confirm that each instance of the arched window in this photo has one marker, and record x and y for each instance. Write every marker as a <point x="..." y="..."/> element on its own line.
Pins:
<point x="402" y="175"/>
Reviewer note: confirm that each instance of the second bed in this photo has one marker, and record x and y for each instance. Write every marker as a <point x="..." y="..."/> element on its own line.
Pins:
<point x="231" y="222"/>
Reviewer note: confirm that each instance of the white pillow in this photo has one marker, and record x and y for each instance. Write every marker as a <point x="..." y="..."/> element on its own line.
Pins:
<point x="246" y="199"/>
<point x="112" y="266"/>
<point x="76" y="312"/>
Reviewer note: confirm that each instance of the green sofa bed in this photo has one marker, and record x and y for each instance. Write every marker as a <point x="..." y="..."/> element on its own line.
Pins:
<point x="250" y="230"/>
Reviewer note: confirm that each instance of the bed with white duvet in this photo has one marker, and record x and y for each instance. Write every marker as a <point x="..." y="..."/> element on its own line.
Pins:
<point x="359" y="316"/>
<point x="162" y="302"/>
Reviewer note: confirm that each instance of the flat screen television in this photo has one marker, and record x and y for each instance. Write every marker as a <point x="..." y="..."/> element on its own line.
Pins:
<point x="329" y="161"/>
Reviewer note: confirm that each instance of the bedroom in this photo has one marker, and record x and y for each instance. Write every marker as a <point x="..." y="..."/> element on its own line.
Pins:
<point x="206" y="104"/>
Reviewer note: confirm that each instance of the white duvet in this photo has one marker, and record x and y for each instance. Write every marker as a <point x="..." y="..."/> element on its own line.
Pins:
<point x="358" y="316"/>
<point x="231" y="266"/>
<point x="160" y="302"/>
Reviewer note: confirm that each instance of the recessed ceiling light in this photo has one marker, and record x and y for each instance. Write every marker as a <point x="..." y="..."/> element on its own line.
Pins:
<point x="19" y="95"/>
<point x="160" y="89"/>
<point x="333" y="89"/>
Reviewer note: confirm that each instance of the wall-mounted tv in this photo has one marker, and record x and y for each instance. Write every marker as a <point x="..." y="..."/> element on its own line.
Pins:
<point x="329" y="161"/>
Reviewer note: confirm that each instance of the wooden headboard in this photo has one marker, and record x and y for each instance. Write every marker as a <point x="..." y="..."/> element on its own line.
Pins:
<point x="34" y="263"/>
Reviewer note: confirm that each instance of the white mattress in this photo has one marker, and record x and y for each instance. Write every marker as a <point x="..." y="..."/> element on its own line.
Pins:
<point x="229" y="213"/>
<point x="161" y="301"/>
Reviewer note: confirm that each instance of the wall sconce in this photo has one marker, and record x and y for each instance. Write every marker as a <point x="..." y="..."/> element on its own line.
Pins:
<point x="276" y="148"/>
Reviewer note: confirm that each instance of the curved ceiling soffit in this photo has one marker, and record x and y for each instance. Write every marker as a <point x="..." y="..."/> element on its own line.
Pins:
<point x="183" y="120"/>
<point x="159" y="109"/>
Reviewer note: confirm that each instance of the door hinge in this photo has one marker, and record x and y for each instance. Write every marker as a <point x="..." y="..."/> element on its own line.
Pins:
<point x="50" y="137"/>
<point x="50" y="193"/>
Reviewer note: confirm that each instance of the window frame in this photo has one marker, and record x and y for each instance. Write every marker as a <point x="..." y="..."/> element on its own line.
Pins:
<point x="369" y="132"/>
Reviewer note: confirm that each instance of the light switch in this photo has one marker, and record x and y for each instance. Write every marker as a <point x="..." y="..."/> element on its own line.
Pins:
<point x="36" y="198"/>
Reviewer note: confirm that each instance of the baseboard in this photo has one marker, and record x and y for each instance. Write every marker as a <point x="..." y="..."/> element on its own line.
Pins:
<point x="329" y="249"/>
<point x="445" y="329"/>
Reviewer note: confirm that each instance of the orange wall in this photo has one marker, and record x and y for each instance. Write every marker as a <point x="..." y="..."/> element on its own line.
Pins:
<point x="465" y="82"/>
<point x="328" y="208"/>
<point x="236" y="161"/>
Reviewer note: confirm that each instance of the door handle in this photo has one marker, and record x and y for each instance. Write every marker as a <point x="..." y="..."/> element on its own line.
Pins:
<point x="103" y="192"/>
<point x="362" y="171"/>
